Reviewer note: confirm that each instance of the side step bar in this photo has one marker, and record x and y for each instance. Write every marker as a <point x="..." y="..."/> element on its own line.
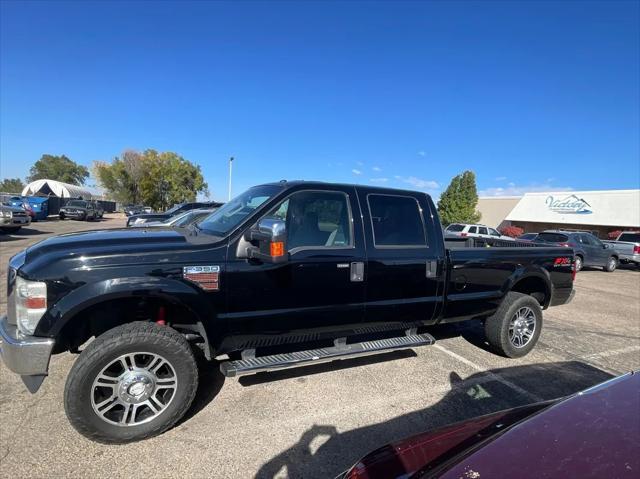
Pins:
<point x="251" y="364"/>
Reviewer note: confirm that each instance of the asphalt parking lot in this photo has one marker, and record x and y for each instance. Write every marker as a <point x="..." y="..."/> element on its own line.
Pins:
<point x="316" y="421"/>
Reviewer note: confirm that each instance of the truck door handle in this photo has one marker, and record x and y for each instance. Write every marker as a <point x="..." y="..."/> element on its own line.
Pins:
<point x="357" y="272"/>
<point x="432" y="268"/>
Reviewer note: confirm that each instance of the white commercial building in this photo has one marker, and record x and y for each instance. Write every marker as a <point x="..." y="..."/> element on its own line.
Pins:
<point x="596" y="211"/>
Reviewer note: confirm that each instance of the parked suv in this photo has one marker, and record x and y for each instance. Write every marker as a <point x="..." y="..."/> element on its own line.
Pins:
<point x="589" y="250"/>
<point x="82" y="210"/>
<point x="13" y="218"/>
<point x="474" y="231"/>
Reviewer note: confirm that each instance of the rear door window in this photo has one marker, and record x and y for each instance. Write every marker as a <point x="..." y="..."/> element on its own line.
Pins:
<point x="396" y="221"/>
<point x="483" y="231"/>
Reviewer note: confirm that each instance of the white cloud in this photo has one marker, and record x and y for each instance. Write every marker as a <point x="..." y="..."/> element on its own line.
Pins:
<point x="515" y="190"/>
<point x="359" y="163"/>
<point x="422" y="153"/>
<point x="376" y="168"/>
<point x="356" y="172"/>
<point x="420" y="183"/>
<point x="501" y="178"/>
<point x="378" y="180"/>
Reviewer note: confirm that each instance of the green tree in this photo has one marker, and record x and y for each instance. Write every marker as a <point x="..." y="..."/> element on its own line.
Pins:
<point x="155" y="179"/>
<point x="170" y="179"/>
<point x="121" y="178"/>
<point x="458" y="202"/>
<point x="59" y="168"/>
<point x="11" y="185"/>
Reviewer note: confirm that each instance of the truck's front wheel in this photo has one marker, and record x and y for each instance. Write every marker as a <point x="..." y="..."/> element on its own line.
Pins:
<point x="515" y="327"/>
<point x="131" y="383"/>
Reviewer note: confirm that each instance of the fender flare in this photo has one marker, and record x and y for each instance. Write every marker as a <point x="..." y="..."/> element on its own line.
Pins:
<point x="531" y="271"/>
<point x="172" y="291"/>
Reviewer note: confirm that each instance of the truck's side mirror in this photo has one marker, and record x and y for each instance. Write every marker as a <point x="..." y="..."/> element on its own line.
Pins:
<point x="271" y="236"/>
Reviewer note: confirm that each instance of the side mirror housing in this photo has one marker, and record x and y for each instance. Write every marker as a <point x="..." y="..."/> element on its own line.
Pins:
<point x="271" y="236"/>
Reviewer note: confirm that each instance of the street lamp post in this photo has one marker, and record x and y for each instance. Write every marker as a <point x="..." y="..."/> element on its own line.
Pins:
<point x="230" y="171"/>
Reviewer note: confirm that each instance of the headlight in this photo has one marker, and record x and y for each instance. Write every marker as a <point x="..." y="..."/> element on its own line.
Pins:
<point x="31" y="303"/>
<point x="7" y="214"/>
<point x="139" y="220"/>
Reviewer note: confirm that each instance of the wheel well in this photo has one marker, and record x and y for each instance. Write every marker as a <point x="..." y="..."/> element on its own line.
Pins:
<point x="533" y="286"/>
<point x="99" y="318"/>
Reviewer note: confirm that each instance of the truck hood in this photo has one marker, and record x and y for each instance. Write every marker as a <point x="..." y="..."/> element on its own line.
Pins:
<point x="107" y="242"/>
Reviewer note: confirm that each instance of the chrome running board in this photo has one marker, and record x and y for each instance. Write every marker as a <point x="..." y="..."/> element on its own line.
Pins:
<point x="249" y="364"/>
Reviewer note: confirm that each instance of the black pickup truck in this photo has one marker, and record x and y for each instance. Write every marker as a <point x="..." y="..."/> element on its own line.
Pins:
<point x="286" y="274"/>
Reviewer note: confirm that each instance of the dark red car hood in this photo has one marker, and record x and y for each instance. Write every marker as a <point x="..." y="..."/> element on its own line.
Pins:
<point x="593" y="434"/>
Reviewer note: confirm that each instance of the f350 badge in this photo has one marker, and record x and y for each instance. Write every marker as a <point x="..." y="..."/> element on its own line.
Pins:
<point x="207" y="277"/>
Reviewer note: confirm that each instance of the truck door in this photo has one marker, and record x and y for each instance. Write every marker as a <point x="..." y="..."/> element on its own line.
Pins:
<point x="321" y="286"/>
<point x="404" y="280"/>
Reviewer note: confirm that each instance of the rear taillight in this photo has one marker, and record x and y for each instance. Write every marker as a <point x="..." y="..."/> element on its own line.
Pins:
<point x="463" y="234"/>
<point x="564" y="244"/>
<point x="636" y="249"/>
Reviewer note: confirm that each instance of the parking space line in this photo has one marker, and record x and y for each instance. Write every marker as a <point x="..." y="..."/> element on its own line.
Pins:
<point x="613" y="352"/>
<point x="494" y="376"/>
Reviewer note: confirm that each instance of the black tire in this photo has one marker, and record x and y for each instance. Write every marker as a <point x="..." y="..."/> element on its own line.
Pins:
<point x="61" y="216"/>
<point x="612" y="264"/>
<point x="140" y="338"/>
<point x="497" y="326"/>
<point x="579" y="263"/>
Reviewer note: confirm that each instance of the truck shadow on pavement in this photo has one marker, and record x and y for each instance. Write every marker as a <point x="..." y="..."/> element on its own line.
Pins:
<point x="479" y="394"/>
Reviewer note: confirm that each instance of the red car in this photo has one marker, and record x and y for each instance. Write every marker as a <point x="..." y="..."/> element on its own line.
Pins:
<point x="593" y="434"/>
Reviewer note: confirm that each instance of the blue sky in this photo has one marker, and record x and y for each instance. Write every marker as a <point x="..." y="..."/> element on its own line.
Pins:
<point x="529" y="95"/>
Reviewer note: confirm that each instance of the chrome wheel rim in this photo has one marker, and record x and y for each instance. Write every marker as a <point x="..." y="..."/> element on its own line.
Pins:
<point x="612" y="264"/>
<point x="522" y="327"/>
<point x="133" y="389"/>
<point x="578" y="264"/>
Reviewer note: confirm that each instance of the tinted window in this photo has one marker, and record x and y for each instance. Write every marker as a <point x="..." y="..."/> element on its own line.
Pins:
<point x="315" y="219"/>
<point x="552" y="238"/>
<point x="633" y="237"/>
<point x="78" y="203"/>
<point x="473" y="229"/>
<point x="483" y="231"/>
<point x="455" y="228"/>
<point x="396" y="220"/>
<point x="493" y="232"/>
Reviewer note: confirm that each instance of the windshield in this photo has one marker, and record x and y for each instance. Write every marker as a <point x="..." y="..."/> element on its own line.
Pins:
<point x="173" y="209"/>
<point x="552" y="238"/>
<point x="81" y="204"/>
<point x="231" y="214"/>
<point x="172" y="221"/>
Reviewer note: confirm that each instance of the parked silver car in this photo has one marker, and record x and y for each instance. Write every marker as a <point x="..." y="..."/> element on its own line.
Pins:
<point x="627" y="245"/>
<point x="13" y="218"/>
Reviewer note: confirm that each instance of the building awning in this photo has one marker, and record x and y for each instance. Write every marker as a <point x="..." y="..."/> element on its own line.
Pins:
<point x="55" y="188"/>
<point x="602" y="208"/>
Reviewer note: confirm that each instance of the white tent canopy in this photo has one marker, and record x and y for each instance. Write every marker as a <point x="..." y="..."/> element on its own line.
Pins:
<point x="55" y="188"/>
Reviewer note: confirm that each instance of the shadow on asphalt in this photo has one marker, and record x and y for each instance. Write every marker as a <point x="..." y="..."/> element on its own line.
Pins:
<point x="480" y="394"/>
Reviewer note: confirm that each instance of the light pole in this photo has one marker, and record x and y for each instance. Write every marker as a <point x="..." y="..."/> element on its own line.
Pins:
<point x="230" y="171"/>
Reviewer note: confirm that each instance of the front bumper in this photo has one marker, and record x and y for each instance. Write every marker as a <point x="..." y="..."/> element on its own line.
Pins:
<point x="27" y="356"/>
<point x="73" y="214"/>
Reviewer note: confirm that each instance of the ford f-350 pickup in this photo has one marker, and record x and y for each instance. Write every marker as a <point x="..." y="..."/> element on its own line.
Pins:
<point x="286" y="274"/>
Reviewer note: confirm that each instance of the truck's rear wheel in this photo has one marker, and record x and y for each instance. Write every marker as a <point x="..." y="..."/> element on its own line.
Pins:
<point x="131" y="383"/>
<point x="515" y="327"/>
